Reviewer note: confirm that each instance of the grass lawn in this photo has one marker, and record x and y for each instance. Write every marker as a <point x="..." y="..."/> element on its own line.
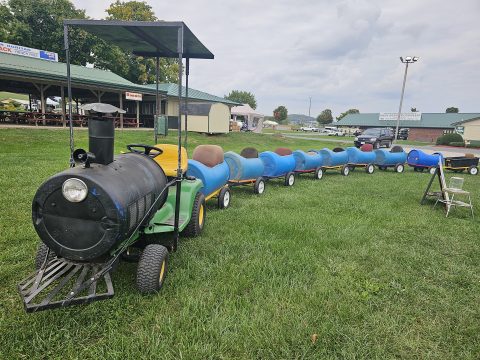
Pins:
<point x="355" y="260"/>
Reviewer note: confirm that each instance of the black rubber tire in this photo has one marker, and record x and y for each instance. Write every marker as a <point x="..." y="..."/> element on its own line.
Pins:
<point x="473" y="170"/>
<point x="399" y="168"/>
<point x="318" y="174"/>
<point x="345" y="170"/>
<point x="224" y="198"/>
<point x="370" y="169"/>
<point x="150" y="276"/>
<point x="290" y="179"/>
<point x="42" y="251"/>
<point x="376" y="145"/>
<point x="259" y="186"/>
<point x="197" y="221"/>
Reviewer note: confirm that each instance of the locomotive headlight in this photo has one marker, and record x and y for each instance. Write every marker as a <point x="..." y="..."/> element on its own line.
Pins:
<point x="74" y="190"/>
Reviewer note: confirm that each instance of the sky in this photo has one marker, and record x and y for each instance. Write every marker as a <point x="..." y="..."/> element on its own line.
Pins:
<point x="343" y="54"/>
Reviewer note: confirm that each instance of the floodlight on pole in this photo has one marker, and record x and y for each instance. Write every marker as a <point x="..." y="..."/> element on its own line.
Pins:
<point x="407" y="60"/>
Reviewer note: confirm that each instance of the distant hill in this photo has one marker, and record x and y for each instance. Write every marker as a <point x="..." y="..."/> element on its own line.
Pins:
<point x="300" y="119"/>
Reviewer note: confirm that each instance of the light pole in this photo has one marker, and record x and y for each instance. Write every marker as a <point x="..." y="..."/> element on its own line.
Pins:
<point x="406" y="61"/>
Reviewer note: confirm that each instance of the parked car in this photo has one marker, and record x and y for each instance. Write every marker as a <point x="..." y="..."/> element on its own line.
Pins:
<point x="375" y="136"/>
<point x="308" y="128"/>
<point x="333" y="131"/>
<point x="402" y="134"/>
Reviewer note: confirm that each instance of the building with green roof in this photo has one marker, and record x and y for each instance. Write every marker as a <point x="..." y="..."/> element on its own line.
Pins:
<point x="423" y="126"/>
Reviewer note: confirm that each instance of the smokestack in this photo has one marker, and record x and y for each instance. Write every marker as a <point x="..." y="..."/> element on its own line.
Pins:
<point x="101" y="133"/>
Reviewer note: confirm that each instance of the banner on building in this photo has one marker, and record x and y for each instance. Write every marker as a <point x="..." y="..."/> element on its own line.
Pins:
<point x="29" y="52"/>
<point x="411" y="116"/>
<point x="133" y="96"/>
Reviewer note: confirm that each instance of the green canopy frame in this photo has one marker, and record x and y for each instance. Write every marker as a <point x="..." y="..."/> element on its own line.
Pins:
<point x="170" y="39"/>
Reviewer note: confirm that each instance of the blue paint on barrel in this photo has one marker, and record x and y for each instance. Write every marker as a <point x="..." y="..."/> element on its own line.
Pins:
<point x="387" y="158"/>
<point x="276" y="165"/>
<point x="307" y="161"/>
<point x="357" y="156"/>
<point x="420" y="159"/>
<point x="242" y="168"/>
<point x="213" y="178"/>
<point x="331" y="158"/>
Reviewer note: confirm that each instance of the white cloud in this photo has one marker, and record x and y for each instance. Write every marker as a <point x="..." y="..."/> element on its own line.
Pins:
<point x="342" y="54"/>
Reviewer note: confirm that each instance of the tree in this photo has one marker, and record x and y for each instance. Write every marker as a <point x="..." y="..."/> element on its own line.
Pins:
<point x="39" y="24"/>
<point x="350" y="111"/>
<point x="325" y="117"/>
<point x="134" y="68"/>
<point x="413" y="109"/>
<point x="243" y="97"/>
<point x="452" y="110"/>
<point x="280" y="114"/>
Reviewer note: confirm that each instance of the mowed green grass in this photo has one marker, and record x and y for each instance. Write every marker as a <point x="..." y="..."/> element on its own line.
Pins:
<point x="355" y="260"/>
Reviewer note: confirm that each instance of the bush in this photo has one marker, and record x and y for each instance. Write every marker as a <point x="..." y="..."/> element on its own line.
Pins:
<point x="474" y="144"/>
<point x="449" y="138"/>
<point x="455" y="143"/>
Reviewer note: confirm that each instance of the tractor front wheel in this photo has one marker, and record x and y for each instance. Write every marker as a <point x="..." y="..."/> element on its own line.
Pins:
<point x="152" y="268"/>
<point x="197" y="220"/>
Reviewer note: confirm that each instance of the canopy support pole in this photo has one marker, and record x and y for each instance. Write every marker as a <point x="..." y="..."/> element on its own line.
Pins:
<point x="187" y="73"/>
<point x="69" y="91"/>
<point x="157" y="107"/>
<point x="120" y="100"/>
<point x="64" y="107"/>
<point x="179" y="167"/>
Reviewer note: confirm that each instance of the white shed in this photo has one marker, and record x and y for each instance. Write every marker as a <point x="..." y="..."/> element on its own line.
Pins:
<point x="210" y="118"/>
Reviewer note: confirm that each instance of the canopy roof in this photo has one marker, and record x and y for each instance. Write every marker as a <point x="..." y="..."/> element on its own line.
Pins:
<point x="147" y="38"/>
<point x="245" y="110"/>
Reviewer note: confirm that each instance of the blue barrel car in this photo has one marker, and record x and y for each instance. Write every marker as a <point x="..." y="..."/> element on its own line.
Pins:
<point x="335" y="159"/>
<point x="246" y="168"/>
<point x="280" y="163"/>
<point x="361" y="158"/>
<point x="395" y="158"/>
<point x="208" y="164"/>
<point x="308" y="162"/>
<point x="420" y="160"/>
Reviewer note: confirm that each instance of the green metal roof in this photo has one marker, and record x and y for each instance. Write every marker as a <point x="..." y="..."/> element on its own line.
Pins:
<point x="172" y="90"/>
<point x="37" y="70"/>
<point x="147" y="38"/>
<point x="466" y="120"/>
<point x="428" y="120"/>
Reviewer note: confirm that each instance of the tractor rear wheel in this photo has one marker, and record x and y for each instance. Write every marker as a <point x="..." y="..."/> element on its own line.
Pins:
<point x="41" y="255"/>
<point x="259" y="186"/>
<point x="197" y="220"/>
<point x="152" y="268"/>
<point x="224" y="198"/>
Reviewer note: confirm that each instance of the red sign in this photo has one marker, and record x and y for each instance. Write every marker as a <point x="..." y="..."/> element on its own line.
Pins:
<point x="133" y="96"/>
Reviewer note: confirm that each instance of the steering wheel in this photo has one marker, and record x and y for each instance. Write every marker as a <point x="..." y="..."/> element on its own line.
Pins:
<point x="146" y="149"/>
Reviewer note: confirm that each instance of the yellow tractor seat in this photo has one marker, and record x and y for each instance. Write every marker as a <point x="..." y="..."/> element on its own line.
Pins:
<point x="168" y="160"/>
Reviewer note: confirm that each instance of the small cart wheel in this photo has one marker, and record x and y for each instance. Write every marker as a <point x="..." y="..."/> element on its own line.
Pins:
<point x="345" y="170"/>
<point x="370" y="169"/>
<point x="41" y="255"/>
<point x="432" y="170"/>
<point x="399" y="168"/>
<point x="473" y="170"/>
<point x="318" y="173"/>
<point x="289" y="179"/>
<point x="224" y="198"/>
<point x="152" y="268"/>
<point x="259" y="186"/>
<point x="197" y="220"/>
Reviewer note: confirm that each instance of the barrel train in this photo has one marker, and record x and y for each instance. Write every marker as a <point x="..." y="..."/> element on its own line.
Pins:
<point x="123" y="207"/>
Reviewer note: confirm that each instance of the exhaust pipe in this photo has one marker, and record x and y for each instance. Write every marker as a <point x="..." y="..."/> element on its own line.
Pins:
<point x="101" y="133"/>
